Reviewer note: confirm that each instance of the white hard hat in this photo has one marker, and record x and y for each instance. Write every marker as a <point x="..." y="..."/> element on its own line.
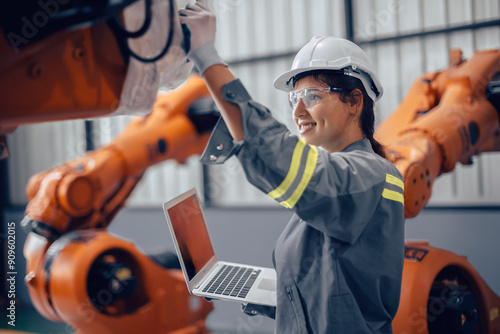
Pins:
<point x="332" y="53"/>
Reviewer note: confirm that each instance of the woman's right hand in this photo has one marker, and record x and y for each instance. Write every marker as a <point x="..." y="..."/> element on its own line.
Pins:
<point x="200" y="23"/>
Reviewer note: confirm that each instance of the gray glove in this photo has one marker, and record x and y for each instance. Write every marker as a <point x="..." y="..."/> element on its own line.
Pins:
<point x="198" y="25"/>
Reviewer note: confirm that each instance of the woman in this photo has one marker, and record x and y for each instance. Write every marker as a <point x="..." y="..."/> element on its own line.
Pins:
<point x="339" y="260"/>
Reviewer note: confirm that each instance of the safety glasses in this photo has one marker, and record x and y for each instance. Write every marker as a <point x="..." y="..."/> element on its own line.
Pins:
<point x="310" y="96"/>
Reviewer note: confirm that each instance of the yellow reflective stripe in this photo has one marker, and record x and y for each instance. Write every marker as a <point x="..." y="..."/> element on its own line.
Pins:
<point x="312" y="158"/>
<point x="292" y="172"/>
<point x="394" y="180"/>
<point x="393" y="195"/>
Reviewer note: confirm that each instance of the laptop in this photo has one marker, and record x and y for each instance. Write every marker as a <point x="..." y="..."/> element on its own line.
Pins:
<point x="205" y="275"/>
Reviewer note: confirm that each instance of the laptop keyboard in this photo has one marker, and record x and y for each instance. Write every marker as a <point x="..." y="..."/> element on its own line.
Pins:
<point x="232" y="281"/>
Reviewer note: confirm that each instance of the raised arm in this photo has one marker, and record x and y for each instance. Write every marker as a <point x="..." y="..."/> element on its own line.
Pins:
<point x="199" y="28"/>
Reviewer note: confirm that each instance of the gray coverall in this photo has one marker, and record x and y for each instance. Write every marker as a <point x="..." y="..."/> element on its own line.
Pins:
<point x="339" y="260"/>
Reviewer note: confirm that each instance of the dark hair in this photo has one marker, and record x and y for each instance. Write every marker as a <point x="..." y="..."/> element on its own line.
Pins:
<point x="349" y="84"/>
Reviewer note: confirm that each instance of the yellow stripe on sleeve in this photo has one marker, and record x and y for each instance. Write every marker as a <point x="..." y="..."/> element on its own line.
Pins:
<point x="312" y="158"/>
<point x="394" y="180"/>
<point x="393" y="195"/>
<point x="292" y="172"/>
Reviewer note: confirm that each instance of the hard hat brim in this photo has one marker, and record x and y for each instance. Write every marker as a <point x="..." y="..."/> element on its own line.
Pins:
<point x="284" y="82"/>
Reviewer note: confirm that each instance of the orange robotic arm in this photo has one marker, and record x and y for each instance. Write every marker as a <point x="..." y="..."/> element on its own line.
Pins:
<point x="88" y="191"/>
<point x="98" y="283"/>
<point x="83" y="59"/>
<point x="443" y="293"/>
<point x="446" y="118"/>
<point x="88" y="278"/>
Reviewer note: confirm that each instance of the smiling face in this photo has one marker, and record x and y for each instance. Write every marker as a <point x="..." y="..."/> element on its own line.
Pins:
<point x="329" y="123"/>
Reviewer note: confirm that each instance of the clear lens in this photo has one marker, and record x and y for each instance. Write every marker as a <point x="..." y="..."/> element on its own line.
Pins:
<point x="310" y="96"/>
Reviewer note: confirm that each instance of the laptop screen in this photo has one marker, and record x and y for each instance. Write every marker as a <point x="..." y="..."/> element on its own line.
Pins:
<point x="191" y="233"/>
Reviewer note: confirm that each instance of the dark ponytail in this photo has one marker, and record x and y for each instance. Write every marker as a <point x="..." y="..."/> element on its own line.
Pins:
<point x="367" y="123"/>
<point x="349" y="84"/>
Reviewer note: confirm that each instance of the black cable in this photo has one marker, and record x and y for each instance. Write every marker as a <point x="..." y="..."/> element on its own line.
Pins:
<point x="142" y="30"/>
<point x="122" y="34"/>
